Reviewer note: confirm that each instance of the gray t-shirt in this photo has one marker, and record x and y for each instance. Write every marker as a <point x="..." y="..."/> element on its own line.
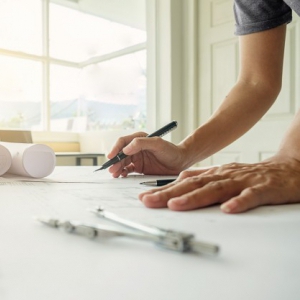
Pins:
<point x="258" y="15"/>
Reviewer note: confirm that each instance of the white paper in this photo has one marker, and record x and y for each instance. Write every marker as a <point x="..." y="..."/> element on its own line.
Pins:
<point x="5" y="160"/>
<point x="259" y="256"/>
<point x="31" y="160"/>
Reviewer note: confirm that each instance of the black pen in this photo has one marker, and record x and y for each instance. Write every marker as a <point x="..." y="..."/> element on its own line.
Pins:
<point x="160" y="132"/>
<point x="158" y="182"/>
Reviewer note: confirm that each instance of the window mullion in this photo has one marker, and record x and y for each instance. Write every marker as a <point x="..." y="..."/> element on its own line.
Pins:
<point x="46" y="109"/>
<point x="112" y="55"/>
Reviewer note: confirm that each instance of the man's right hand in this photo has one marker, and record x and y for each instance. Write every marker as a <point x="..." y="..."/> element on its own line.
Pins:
<point x="149" y="156"/>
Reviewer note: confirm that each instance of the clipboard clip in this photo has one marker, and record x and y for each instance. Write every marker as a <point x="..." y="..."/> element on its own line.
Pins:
<point x="168" y="239"/>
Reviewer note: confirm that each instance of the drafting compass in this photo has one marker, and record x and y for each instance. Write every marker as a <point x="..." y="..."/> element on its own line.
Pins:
<point x="169" y="239"/>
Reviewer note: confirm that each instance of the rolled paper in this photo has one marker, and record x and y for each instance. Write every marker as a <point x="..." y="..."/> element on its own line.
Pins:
<point x="5" y="160"/>
<point x="31" y="160"/>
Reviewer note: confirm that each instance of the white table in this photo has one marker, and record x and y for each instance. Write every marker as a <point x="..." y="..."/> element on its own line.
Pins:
<point x="259" y="258"/>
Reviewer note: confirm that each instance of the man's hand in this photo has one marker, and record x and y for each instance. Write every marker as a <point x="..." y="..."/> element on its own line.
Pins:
<point x="147" y="156"/>
<point x="238" y="187"/>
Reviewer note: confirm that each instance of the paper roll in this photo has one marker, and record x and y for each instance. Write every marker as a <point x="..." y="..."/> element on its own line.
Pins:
<point x="33" y="160"/>
<point x="5" y="160"/>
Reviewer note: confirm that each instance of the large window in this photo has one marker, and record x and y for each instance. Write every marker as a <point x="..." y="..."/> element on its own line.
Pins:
<point x="67" y="66"/>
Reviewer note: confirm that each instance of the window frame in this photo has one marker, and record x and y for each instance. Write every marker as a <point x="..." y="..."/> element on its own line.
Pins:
<point x="46" y="60"/>
<point x="172" y="46"/>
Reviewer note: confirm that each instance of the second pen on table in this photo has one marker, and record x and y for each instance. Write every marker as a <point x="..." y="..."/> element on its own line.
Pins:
<point x="159" y="182"/>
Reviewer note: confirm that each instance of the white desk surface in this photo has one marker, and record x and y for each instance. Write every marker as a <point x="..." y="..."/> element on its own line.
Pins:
<point x="259" y="258"/>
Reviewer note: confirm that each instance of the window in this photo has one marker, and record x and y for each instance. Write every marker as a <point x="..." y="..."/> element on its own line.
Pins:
<point x="72" y="66"/>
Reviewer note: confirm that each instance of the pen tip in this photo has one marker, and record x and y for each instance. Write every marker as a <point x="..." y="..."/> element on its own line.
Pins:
<point x="98" y="169"/>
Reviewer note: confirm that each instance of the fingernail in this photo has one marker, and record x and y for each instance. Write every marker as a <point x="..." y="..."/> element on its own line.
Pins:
<point x="229" y="207"/>
<point x="127" y="149"/>
<point x="179" y="201"/>
<point x="151" y="198"/>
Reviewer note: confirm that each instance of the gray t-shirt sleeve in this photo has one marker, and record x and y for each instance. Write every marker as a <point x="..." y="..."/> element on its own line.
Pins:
<point x="258" y="15"/>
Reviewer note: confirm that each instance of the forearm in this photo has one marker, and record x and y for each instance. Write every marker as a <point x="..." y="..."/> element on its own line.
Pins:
<point x="290" y="145"/>
<point x="259" y="83"/>
<point x="246" y="103"/>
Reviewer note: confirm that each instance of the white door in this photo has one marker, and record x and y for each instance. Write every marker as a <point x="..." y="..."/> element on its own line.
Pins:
<point x="218" y="70"/>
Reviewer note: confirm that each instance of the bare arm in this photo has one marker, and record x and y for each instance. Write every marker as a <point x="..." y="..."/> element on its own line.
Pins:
<point x="257" y="88"/>
<point x="240" y="187"/>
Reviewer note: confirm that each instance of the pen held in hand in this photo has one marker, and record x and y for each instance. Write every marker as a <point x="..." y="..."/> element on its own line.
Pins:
<point x="120" y="156"/>
<point x="159" y="182"/>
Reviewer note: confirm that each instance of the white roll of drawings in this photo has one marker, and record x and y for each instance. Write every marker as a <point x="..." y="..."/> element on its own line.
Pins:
<point x="5" y="160"/>
<point x="30" y="160"/>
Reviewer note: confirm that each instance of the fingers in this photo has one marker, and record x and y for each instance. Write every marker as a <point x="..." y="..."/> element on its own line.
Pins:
<point x="212" y="193"/>
<point x="128" y="169"/>
<point x="192" y="193"/>
<point x="142" y="143"/>
<point x="123" y="142"/>
<point x="170" y="190"/>
<point x="132" y="145"/>
<point x="202" y="191"/>
<point x="190" y="173"/>
<point x="250" y="198"/>
<point x="118" y="170"/>
<point x="150" y="156"/>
